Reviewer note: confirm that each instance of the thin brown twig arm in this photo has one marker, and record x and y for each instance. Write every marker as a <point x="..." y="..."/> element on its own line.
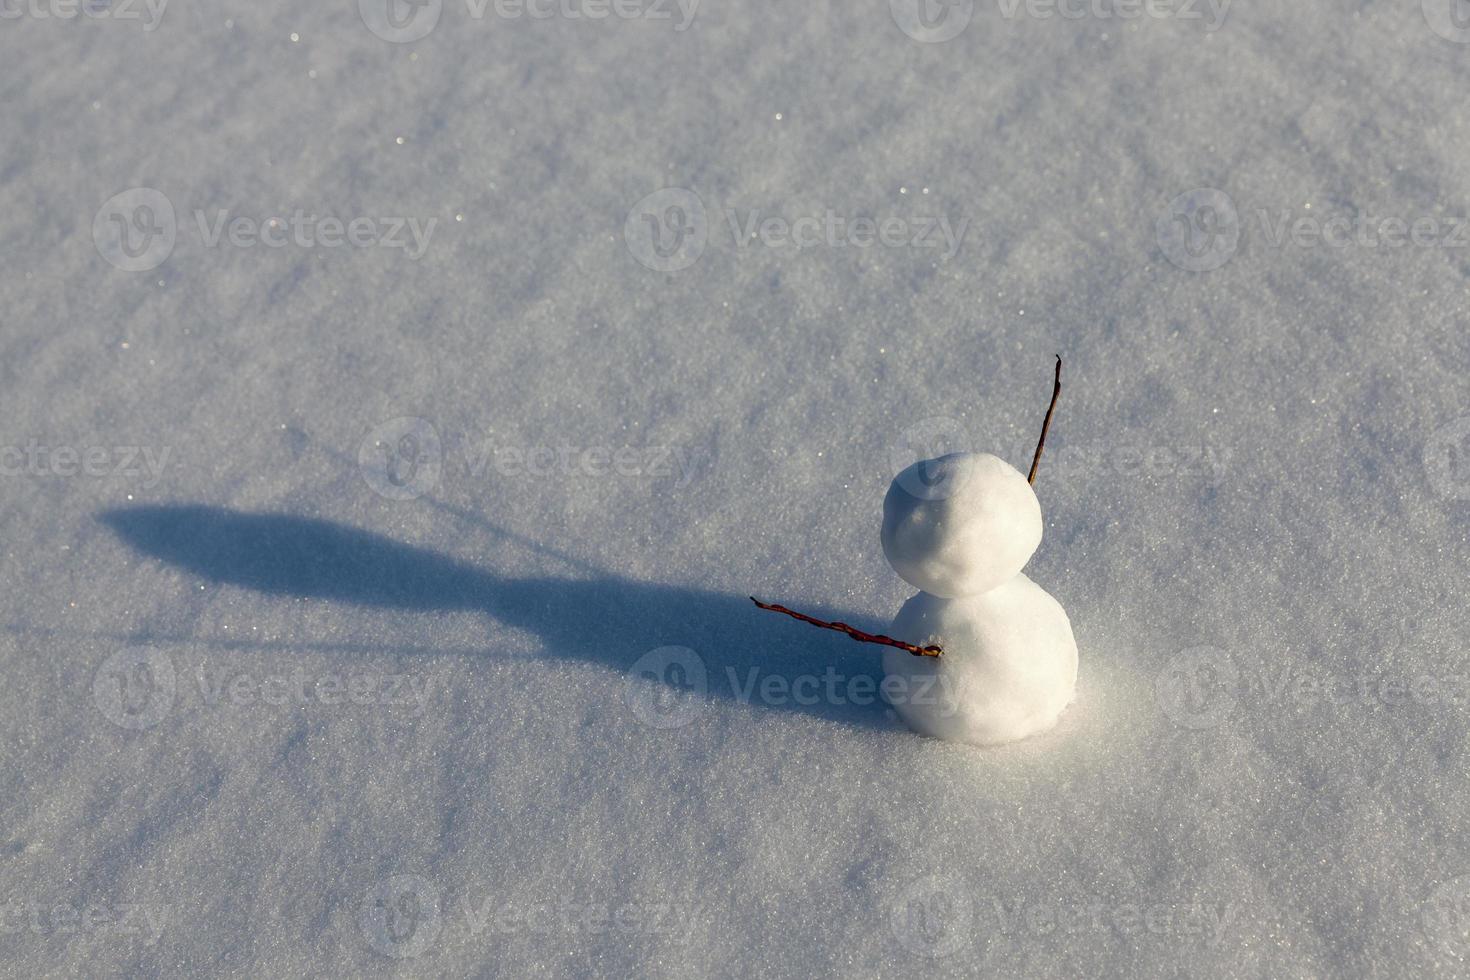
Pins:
<point x="856" y="634"/>
<point x="1056" y="393"/>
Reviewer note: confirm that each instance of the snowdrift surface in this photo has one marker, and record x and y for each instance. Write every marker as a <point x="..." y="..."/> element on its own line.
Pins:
<point x="396" y="415"/>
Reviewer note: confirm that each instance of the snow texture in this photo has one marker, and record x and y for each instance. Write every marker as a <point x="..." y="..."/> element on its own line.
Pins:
<point x="379" y="607"/>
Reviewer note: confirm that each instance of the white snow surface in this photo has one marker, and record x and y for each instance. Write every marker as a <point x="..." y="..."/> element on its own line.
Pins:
<point x="305" y="689"/>
<point x="960" y="525"/>
<point x="1008" y="669"/>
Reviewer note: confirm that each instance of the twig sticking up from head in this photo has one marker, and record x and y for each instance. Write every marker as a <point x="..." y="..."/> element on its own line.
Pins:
<point x="1056" y="392"/>
<point x="856" y="634"/>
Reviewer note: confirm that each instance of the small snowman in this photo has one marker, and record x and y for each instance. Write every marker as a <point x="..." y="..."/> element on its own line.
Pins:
<point x="982" y="654"/>
<point x="1009" y="662"/>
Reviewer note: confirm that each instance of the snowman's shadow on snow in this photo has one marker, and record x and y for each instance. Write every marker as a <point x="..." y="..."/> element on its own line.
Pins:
<point x="605" y="619"/>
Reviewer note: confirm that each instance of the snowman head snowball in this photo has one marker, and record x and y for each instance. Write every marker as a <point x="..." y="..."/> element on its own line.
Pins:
<point x="981" y="654"/>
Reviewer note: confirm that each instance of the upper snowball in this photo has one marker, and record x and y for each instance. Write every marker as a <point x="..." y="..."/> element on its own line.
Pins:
<point x="960" y="525"/>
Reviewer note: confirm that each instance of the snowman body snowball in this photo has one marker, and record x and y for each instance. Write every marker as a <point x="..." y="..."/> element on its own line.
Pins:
<point x="960" y="528"/>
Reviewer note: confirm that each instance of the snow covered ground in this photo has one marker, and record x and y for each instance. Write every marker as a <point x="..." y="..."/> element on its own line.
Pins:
<point x="340" y="543"/>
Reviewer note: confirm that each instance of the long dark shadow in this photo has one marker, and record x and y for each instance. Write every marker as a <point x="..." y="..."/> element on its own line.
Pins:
<point x="605" y="619"/>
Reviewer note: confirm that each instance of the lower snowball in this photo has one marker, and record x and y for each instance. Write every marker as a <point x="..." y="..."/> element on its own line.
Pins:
<point x="1009" y="667"/>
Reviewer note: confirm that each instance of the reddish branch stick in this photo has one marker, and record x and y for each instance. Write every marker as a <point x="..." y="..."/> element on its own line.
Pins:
<point x="856" y="634"/>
